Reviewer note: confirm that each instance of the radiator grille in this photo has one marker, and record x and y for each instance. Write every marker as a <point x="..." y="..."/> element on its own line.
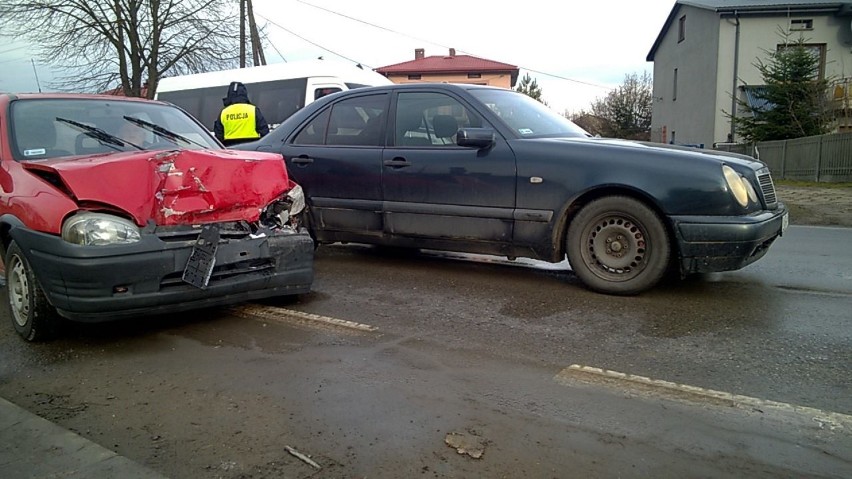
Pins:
<point x="767" y="188"/>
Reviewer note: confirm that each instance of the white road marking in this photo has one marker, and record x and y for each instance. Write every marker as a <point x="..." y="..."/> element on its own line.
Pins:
<point x="253" y="311"/>
<point x="832" y="420"/>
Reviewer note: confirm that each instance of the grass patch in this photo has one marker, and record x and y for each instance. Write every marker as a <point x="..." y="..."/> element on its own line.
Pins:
<point x="812" y="184"/>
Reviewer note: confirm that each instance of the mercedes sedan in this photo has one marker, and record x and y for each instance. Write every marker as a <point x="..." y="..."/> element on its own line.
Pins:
<point x="487" y="170"/>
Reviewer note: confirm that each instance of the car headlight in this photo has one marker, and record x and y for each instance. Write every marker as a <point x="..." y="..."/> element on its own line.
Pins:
<point x="737" y="185"/>
<point x="284" y="210"/>
<point x="297" y="200"/>
<point x="98" y="229"/>
<point x="752" y="194"/>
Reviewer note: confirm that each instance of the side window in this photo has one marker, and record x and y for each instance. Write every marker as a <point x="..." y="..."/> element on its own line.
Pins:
<point x="357" y="121"/>
<point x="430" y="120"/>
<point x="314" y="132"/>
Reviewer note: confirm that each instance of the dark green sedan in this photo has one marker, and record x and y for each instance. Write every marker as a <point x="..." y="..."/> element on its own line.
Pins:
<point x="487" y="170"/>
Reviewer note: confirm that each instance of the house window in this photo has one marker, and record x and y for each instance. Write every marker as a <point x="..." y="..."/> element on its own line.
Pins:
<point x="413" y="77"/>
<point x="681" y="29"/>
<point x="474" y="75"/>
<point x="818" y="52"/>
<point x="801" y="24"/>
<point x="674" y="88"/>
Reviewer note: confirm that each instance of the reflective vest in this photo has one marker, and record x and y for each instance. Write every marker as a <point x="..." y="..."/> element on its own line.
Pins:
<point x="239" y="122"/>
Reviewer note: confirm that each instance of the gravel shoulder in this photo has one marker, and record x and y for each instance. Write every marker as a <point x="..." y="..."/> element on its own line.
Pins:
<point x="816" y="205"/>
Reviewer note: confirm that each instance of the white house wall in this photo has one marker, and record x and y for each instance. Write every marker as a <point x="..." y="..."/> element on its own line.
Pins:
<point x="759" y="34"/>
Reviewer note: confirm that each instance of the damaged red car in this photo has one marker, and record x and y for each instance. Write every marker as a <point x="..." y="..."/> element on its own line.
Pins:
<point x="115" y="207"/>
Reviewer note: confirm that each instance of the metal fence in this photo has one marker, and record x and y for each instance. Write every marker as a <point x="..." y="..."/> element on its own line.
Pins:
<point x="825" y="158"/>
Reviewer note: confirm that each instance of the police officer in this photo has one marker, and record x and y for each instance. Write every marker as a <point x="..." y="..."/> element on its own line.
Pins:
<point x="239" y="121"/>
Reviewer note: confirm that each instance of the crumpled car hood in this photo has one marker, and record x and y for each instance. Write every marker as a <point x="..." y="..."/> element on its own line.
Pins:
<point x="175" y="187"/>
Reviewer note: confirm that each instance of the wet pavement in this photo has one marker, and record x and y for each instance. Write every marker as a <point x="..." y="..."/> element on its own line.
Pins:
<point x="471" y="355"/>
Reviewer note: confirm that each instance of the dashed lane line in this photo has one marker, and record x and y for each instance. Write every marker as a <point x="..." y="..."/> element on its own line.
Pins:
<point x="272" y="313"/>
<point x="833" y="420"/>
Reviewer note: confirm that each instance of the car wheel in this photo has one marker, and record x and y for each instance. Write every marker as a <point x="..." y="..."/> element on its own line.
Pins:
<point x="32" y="316"/>
<point x="617" y="245"/>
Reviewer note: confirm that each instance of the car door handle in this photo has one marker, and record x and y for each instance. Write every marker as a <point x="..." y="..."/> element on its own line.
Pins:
<point x="398" y="162"/>
<point x="302" y="160"/>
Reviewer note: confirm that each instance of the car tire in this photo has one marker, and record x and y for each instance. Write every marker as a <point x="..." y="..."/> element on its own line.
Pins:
<point x="617" y="245"/>
<point x="32" y="316"/>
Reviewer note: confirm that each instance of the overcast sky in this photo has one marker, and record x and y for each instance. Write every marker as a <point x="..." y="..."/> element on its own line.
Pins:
<point x="576" y="50"/>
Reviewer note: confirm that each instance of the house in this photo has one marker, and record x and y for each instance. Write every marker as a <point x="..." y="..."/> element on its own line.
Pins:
<point x="451" y="68"/>
<point x="707" y="49"/>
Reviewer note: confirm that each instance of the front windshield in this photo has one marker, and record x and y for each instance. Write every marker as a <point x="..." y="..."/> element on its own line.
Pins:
<point x="54" y="128"/>
<point x="525" y="116"/>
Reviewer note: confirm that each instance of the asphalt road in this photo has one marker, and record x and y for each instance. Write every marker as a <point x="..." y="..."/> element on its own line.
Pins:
<point x="443" y="358"/>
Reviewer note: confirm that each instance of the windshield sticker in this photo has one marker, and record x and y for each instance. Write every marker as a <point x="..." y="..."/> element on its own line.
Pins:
<point x="36" y="152"/>
<point x="525" y="131"/>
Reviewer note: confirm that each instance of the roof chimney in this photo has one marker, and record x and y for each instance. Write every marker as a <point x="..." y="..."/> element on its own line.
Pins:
<point x="452" y="52"/>
<point x="419" y="53"/>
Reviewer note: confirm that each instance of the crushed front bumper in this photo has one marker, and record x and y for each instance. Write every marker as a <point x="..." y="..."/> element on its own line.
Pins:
<point x="710" y="244"/>
<point x="101" y="283"/>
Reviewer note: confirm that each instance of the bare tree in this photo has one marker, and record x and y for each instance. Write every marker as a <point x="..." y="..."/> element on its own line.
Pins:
<point x="628" y="107"/>
<point x="104" y="44"/>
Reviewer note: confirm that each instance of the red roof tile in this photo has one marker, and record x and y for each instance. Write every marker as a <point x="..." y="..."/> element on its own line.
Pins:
<point x="447" y="64"/>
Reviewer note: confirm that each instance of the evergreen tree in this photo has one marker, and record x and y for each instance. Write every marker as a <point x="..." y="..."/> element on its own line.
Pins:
<point x="529" y="86"/>
<point x="794" y="101"/>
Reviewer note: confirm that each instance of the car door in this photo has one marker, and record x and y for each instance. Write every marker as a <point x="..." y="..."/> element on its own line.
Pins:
<point x="336" y="157"/>
<point x="437" y="191"/>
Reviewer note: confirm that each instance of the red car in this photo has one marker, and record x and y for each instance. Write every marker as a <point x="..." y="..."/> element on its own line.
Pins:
<point x="114" y="207"/>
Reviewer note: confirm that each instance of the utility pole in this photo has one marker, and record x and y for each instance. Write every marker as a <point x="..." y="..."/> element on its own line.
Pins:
<point x="36" y="75"/>
<point x="257" y="56"/>
<point x="256" y="49"/>
<point x="242" y="33"/>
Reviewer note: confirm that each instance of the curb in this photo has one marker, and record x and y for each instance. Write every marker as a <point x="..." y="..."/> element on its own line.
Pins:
<point x="34" y="447"/>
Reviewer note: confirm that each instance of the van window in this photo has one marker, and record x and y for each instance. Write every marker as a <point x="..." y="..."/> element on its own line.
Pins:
<point x="321" y="92"/>
<point x="277" y="100"/>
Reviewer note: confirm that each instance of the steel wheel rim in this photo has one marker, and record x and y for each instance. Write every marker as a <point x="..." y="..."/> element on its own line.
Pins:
<point x="19" y="292"/>
<point x="615" y="247"/>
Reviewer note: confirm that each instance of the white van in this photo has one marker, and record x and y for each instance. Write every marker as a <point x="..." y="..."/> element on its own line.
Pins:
<point x="279" y="90"/>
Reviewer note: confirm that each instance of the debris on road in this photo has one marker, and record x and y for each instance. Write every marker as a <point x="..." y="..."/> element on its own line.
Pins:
<point x="307" y="460"/>
<point x="466" y="443"/>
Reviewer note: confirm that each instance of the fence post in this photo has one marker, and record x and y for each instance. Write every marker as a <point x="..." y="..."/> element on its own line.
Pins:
<point x="819" y="157"/>
<point x="784" y="160"/>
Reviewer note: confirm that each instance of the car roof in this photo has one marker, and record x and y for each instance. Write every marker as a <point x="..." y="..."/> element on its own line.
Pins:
<point x="419" y="86"/>
<point x="75" y="96"/>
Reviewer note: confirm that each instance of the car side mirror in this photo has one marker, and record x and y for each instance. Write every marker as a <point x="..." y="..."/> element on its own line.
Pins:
<point x="475" y="137"/>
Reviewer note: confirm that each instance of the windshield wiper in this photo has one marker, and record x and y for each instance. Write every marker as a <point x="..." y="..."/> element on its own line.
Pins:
<point x="160" y="131"/>
<point x="99" y="134"/>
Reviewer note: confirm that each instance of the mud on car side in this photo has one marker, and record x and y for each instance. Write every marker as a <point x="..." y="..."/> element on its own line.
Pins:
<point x="113" y="208"/>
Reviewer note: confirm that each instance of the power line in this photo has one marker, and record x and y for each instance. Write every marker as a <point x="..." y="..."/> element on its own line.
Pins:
<point x="311" y="42"/>
<point x="443" y="46"/>
<point x="14" y="49"/>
